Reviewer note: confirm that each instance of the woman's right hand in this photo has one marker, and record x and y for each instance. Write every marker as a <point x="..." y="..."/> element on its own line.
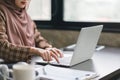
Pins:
<point x="47" y="55"/>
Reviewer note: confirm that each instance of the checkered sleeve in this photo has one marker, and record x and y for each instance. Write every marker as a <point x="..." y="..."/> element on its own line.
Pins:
<point x="8" y="51"/>
<point x="40" y="41"/>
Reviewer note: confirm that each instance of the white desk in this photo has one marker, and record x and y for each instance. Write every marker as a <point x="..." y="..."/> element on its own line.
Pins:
<point x="105" y="62"/>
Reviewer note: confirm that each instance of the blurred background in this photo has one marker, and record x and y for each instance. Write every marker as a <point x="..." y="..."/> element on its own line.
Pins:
<point x="60" y="21"/>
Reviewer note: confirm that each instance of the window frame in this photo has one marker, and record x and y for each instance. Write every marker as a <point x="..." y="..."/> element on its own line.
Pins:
<point x="57" y="21"/>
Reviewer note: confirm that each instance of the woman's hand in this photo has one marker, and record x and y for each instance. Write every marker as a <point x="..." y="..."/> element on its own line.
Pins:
<point x="55" y="53"/>
<point x="49" y="54"/>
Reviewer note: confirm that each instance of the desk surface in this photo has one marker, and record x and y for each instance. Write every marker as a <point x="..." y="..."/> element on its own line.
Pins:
<point x="105" y="62"/>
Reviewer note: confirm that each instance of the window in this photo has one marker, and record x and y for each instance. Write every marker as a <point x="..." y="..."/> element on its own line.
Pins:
<point x="75" y="14"/>
<point x="40" y="9"/>
<point x="92" y="10"/>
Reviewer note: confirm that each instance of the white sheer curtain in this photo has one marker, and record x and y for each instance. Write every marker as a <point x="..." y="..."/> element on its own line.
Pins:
<point x="92" y="10"/>
<point x="40" y="9"/>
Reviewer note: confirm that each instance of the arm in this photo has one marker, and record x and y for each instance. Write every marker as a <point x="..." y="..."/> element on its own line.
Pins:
<point x="40" y="41"/>
<point x="13" y="53"/>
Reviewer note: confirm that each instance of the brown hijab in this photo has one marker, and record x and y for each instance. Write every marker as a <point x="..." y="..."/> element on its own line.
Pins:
<point x="19" y="26"/>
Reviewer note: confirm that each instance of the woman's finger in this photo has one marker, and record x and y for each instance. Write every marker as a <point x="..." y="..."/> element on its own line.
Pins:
<point x="57" y="52"/>
<point x="55" y="57"/>
<point x="43" y="56"/>
<point x="49" y="55"/>
<point x="46" y="56"/>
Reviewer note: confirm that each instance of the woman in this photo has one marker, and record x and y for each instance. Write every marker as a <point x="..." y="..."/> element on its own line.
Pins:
<point x="19" y="37"/>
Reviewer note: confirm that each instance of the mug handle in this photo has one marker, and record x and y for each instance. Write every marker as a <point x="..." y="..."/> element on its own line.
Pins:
<point x="10" y="71"/>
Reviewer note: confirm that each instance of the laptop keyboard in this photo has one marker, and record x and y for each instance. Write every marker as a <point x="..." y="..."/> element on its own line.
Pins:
<point x="65" y="60"/>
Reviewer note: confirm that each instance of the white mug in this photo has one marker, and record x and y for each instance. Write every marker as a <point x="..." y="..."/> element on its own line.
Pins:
<point x="23" y="72"/>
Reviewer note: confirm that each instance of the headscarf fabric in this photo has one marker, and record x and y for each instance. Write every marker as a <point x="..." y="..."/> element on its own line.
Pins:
<point x="19" y="26"/>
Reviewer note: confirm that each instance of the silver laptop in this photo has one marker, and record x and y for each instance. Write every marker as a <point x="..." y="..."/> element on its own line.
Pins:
<point x="85" y="47"/>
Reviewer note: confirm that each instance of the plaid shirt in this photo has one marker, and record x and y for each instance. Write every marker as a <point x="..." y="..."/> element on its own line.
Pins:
<point x="13" y="53"/>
